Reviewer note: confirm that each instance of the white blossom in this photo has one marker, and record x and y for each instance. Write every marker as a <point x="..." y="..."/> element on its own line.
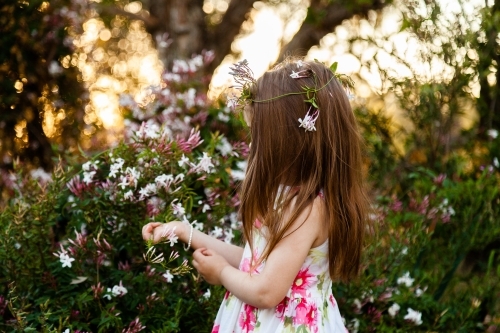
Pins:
<point x="232" y="102"/>
<point x="151" y="188"/>
<point x="354" y="326"/>
<point x="205" y="163"/>
<point x="164" y="181"/>
<point x="168" y="276"/>
<point x="242" y="165"/>
<point x="183" y="160"/>
<point x="406" y="280"/>
<point x="216" y="232"/>
<point x="152" y="131"/>
<point x="224" y="147"/>
<point x="116" y="167"/>
<point x="414" y="316"/>
<point x="309" y="122"/>
<point x="294" y="75"/>
<point x="197" y="225"/>
<point x="86" y="166"/>
<point x="492" y="133"/>
<point x="177" y="209"/>
<point x="144" y="193"/>
<point x="205" y="208"/>
<point x="207" y="294"/>
<point x="394" y="309"/>
<point x="40" y="174"/>
<point x="238" y="174"/>
<point x="88" y="177"/>
<point x="228" y="235"/>
<point x="446" y="208"/>
<point x="133" y="175"/>
<point x="66" y="260"/>
<point x="108" y="294"/>
<point x="235" y="223"/>
<point x="223" y="117"/>
<point x="170" y="235"/>
<point x="129" y="195"/>
<point x="357" y="303"/>
<point x="124" y="182"/>
<point x="119" y="290"/>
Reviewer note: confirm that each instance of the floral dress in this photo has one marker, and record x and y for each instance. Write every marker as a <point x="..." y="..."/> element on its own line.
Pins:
<point x="308" y="307"/>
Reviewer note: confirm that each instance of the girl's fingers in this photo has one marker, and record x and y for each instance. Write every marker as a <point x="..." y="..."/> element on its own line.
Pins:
<point x="198" y="253"/>
<point x="147" y="230"/>
<point x="207" y="252"/>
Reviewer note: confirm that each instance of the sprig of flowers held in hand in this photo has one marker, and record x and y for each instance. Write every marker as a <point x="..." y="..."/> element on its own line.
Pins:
<point x="168" y="236"/>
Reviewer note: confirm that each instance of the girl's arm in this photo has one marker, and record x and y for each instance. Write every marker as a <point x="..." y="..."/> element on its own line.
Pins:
<point x="267" y="288"/>
<point x="231" y="253"/>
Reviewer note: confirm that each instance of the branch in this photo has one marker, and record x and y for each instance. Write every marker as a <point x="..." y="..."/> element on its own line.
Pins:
<point x="226" y="31"/>
<point x="150" y="22"/>
<point x="311" y="31"/>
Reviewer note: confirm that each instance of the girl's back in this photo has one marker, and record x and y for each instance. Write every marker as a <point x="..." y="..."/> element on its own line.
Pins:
<point x="309" y="305"/>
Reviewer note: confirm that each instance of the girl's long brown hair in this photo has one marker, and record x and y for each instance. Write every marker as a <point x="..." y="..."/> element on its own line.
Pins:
<point x="327" y="159"/>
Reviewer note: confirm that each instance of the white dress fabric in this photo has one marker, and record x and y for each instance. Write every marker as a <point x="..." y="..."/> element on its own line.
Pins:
<point x="309" y="306"/>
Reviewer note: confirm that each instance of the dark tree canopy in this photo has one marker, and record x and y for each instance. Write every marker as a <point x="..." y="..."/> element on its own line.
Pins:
<point x="41" y="101"/>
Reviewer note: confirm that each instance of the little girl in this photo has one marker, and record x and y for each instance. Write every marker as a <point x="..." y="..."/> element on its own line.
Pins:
<point x="302" y="206"/>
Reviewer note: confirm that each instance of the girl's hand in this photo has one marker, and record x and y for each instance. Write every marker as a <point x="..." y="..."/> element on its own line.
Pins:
<point x="209" y="264"/>
<point x="156" y="230"/>
<point x="153" y="231"/>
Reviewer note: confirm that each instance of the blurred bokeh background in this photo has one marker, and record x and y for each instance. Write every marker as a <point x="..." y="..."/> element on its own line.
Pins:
<point x="65" y="63"/>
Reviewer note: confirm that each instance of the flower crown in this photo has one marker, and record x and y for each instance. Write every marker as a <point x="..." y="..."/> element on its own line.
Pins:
<point x="245" y="81"/>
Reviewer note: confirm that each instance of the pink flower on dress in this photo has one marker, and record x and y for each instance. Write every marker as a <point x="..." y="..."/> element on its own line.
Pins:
<point x="312" y="318"/>
<point x="281" y="307"/>
<point x="301" y="283"/>
<point x="306" y="314"/>
<point x="216" y="329"/>
<point x="332" y="301"/>
<point x="250" y="263"/>
<point x="247" y="318"/>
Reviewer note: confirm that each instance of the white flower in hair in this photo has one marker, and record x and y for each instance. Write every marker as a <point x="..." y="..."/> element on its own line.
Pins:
<point x="299" y="63"/>
<point x="232" y="102"/>
<point x="309" y="120"/>
<point x="295" y="75"/>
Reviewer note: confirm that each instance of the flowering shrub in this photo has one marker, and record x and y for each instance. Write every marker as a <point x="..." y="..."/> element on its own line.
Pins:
<point x="430" y="267"/>
<point x="72" y="253"/>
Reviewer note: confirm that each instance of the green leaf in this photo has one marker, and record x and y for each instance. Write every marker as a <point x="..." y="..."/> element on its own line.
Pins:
<point x="333" y="67"/>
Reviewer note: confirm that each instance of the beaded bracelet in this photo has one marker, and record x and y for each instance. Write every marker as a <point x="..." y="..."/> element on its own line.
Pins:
<point x="190" y="239"/>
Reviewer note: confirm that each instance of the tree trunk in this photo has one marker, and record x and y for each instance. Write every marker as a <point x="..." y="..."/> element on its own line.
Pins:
<point x="322" y="18"/>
